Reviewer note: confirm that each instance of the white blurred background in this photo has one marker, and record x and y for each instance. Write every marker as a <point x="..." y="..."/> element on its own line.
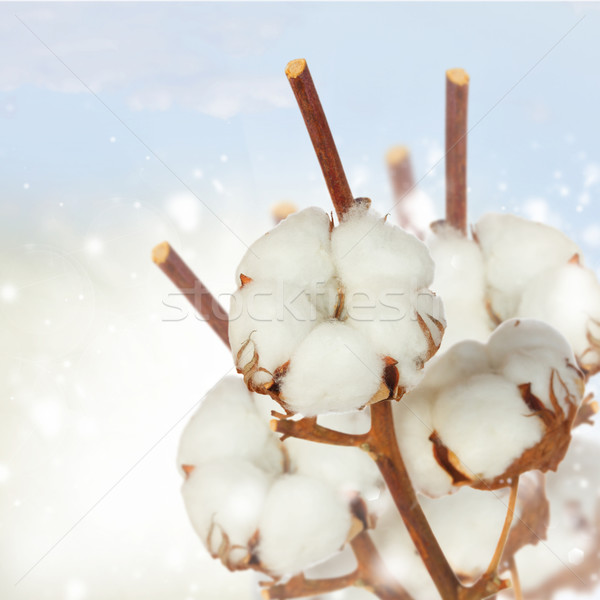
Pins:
<point x="125" y="125"/>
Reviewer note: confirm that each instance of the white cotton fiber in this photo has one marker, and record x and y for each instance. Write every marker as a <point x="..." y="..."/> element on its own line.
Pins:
<point x="416" y="212"/>
<point x="389" y="321"/>
<point x="344" y="468"/>
<point x="227" y="425"/>
<point x="568" y="298"/>
<point x="335" y="369"/>
<point x="484" y="422"/>
<point x="275" y="317"/>
<point x="296" y="251"/>
<point x="304" y="521"/>
<point x="460" y="281"/>
<point x="467" y="525"/>
<point x="528" y="351"/>
<point x="515" y="251"/>
<point x="413" y="425"/>
<point x="225" y="499"/>
<point x="367" y="249"/>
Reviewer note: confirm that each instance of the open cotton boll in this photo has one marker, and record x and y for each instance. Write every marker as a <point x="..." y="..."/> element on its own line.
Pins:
<point x="304" y="521"/>
<point x="367" y="249"/>
<point x="225" y="500"/>
<point x="297" y="251"/>
<point x="345" y="469"/>
<point x="460" y="281"/>
<point x="568" y="298"/>
<point x="269" y="320"/>
<point x="515" y="251"/>
<point x="335" y="369"/>
<point x="227" y="424"/>
<point x="482" y="422"/>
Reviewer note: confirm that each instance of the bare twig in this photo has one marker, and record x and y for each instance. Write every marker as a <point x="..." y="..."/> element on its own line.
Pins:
<point x="307" y="429"/>
<point x="457" y="95"/>
<point x="300" y="587"/>
<point x="310" y="106"/>
<point x="173" y="266"/>
<point x="400" y="171"/>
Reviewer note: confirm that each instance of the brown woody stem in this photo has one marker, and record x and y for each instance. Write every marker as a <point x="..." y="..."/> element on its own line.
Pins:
<point x="457" y="95"/>
<point x="389" y="460"/>
<point x="307" y="429"/>
<point x="495" y="562"/>
<point x="299" y="586"/>
<point x="400" y="171"/>
<point x="173" y="266"/>
<point x="318" y="129"/>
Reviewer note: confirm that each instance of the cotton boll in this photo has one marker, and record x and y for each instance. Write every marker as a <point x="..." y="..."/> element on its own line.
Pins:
<point x="304" y="521"/>
<point x="334" y="369"/>
<point x="416" y="212"/>
<point x="413" y="425"/>
<point x="568" y="298"/>
<point x="484" y="423"/>
<point x="227" y="425"/>
<point x="224" y="500"/>
<point x="515" y="251"/>
<point x="355" y="422"/>
<point x="345" y="469"/>
<point x="405" y="325"/>
<point x="367" y="249"/>
<point x="273" y="318"/>
<point x="296" y="251"/>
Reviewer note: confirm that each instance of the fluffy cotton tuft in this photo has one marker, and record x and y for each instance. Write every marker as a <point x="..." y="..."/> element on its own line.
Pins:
<point x="460" y="281"/>
<point x="225" y="500"/>
<point x="303" y="522"/>
<point x="269" y="320"/>
<point x="228" y="425"/>
<point x="485" y="413"/>
<point x="515" y="251"/>
<point x="297" y="251"/>
<point x="368" y="251"/>
<point x="568" y="297"/>
<point x="334" y="369"/>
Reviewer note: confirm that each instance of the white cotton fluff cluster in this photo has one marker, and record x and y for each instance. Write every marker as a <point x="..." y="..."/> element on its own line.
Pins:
<point x="320" y="308"/>
<point x="533" y="270"/>
<point x="570" y="554"/>
<point x="482" y="410"/>
<point x="227" y="408"/>
<point x="460" y="281"/>
<point x="242" y="502"/>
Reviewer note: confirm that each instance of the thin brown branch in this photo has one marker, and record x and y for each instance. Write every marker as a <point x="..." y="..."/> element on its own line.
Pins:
<point x="389" y="460"/>
<point x="512" y="501"/>
<point x="300" y="587"/>
<point x="457" y="95"/>
<point x="310" y="106"/>
<point x="173" y="266"/>
<point x="372" y="571"/>
<point x="308" y="429"/>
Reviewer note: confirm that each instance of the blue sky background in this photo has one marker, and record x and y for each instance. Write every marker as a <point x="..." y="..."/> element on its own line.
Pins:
<point x="95" y="384"/>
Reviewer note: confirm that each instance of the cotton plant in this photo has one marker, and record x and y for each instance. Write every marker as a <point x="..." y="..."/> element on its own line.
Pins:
<point x="396" y="403"/>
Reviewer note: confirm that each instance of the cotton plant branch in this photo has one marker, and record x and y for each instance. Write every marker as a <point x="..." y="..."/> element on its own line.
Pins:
<point x="198" y="295"/>
<point x="457" y="95"/>
<point x="320" y="135"/>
